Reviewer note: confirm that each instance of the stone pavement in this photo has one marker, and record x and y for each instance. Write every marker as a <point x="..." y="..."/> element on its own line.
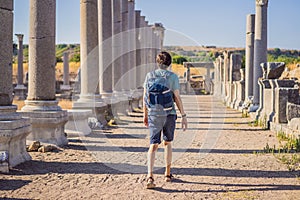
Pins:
<point x="213" y="159"/>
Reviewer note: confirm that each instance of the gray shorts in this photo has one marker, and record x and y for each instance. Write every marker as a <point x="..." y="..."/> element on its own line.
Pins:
<point x="161" y="124"/>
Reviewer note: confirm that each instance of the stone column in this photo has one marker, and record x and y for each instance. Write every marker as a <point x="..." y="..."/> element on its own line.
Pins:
<point x="160" y="31"/>
<point x="41" y="107"/>
<point x="89" y="73"/>
<point x="260" y="44"/>
<point x="125" y="46"/>
<point x="13" y="128"/>
<point x="66" y="84"/>
<point x="105" y="25"/>
<point x="139" y="79"/>
<point x="249" y="55"/>
<point x="225" y="74"/>
<point x="20" y="89"/>
<point x="208" y="80"/>
<point x="147" y="47"/>
<point x="143" y="47"/>
<point x="105" y="47"/>
<point x="221" y="76"/>
<point x="89" y="98"/>
<point x="117" y="69"/>
<point x="132" y="44"/>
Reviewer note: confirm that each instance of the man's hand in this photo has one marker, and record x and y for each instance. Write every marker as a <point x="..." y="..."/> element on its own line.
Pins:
<point x="146" y="120"/>
<point x="184" y="123"/>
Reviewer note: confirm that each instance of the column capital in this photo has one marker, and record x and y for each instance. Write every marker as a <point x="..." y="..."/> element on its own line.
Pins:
<point x="262" y="2"/>
<point x="20" y="36"/>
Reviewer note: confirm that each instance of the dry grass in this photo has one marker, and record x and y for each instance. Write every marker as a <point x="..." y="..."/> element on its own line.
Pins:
<point x="64" y="104"/>
<point x="19" y="103"/>
<point x="73" y="69"/>
<point x="179" y="70"/>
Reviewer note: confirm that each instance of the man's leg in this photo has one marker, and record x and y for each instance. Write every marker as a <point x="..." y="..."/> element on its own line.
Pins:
<point x="151" y="158"/>
<point x="168" y="157"/>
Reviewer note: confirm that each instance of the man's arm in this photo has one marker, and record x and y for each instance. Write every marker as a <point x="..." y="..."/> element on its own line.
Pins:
<point x="145" y="110"/>
<point x="178" y="102"/>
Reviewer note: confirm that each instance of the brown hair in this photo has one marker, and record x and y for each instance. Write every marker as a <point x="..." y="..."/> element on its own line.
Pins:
<point x="164" y="59"/>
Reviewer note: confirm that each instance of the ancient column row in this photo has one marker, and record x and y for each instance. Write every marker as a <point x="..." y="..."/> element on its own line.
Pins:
<point x="255" y="54"/>
<point x="118" y="48"/>
<point x="13" y="128"/>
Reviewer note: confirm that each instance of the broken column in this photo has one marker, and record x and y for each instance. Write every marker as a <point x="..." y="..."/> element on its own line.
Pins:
<point x="20" y="89"/>
<point x="66" y="76"/>
<point x="226" y="59"/>
<point x="13" y="128"/>
<point x="249" y="55"/>
<point x="234" y="75"/>
<point x="260" y="45"/>
<point x="46" y="117"/>
<point x="268" y="85"/>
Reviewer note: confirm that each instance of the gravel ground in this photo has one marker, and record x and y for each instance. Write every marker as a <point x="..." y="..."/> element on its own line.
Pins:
<point x="213" y="159"/>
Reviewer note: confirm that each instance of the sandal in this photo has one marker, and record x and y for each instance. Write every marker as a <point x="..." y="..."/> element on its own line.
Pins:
<point x="168" y="178"/>
<point x="150" y="183"/>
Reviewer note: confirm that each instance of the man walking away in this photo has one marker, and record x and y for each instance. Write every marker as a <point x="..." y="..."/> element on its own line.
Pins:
<point x="161" y="90"/>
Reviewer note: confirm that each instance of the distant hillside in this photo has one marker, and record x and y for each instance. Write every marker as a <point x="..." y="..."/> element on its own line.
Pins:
<point x="205" y="54"/>
<point x="73" y="49"/>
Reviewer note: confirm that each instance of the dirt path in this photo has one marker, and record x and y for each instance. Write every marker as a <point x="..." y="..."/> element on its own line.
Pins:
<point x="214" y="159"/>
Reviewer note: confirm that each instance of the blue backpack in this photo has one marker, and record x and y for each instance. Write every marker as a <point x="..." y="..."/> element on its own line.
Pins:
<point x="159" y="96"/>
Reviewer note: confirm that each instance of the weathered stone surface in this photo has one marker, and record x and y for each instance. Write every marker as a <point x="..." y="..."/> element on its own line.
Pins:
<point x="13" y="140"/>
<point x="282" y="97"/>
<point x="89" y="54"/>
<point x="77" y="124"/>
<point x="47" y="127"/>
<point x="249" y="54"/>
<point x="293" y="111"/>
<point x="4" y="156"/>
<point x="34" y="146"/>
<point x="294" y="124"/>
<point x="260" y="46"/>
<point x="7" y="5"/>
<point x="6" y="32"/>
<point x="285" y="83"/>
<point x="272" y="70"/>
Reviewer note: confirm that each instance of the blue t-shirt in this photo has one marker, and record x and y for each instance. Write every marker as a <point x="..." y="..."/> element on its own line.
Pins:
<point x="173" y="82"/>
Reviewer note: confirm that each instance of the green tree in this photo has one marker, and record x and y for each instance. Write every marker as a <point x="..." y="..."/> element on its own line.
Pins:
<point x="75" y="58"/>
<point x="179" y="59"/>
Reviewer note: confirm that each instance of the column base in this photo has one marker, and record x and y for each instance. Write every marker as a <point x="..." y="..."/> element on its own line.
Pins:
<point x="48" y="121"/>
<point x="98" y="108"/>
<point x="13" y="133"/>
<point x="20" y="92"/>
<point x="78" y="123"/>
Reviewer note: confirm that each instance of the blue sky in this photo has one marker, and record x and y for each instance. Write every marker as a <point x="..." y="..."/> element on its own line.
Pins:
<point x="188" y="22"/>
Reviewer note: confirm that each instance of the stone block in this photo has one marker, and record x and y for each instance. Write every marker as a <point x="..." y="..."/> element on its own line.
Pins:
<point x="4" y="168"/>
<point x="293" y="111"/>
<point x="285" y="83"/>
<point x="7" y="5"/>
<point x="47" y="127"/>
<point x="272" y="70"/>
<point x="282" y="97"/>
<point x="294" y="124"/>
<point x="13" y="140"/>
<point x="77" y="124"/>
